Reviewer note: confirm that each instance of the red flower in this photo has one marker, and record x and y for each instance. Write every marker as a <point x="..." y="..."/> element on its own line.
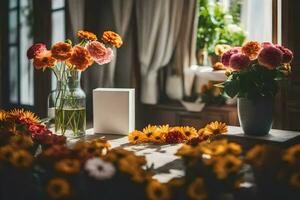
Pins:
<point x="49" y="140"/>
<point x="270" y="57"/>
<point x="239" y="61"/>
<point x="287" y="54"/>
<point x="174" y="137"/>
<point x="227" y="55"/>
<point x="35" y="49"/>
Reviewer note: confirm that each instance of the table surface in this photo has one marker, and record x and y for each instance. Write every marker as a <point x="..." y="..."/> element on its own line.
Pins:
<point x="166" y="165"/>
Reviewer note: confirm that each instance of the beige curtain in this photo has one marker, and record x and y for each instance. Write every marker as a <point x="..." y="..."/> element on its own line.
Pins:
<point x="76" y="12"/>
<point x="158" y="28"/>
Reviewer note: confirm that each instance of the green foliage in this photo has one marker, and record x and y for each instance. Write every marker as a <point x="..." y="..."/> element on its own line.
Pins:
<point x="256" y="81"/>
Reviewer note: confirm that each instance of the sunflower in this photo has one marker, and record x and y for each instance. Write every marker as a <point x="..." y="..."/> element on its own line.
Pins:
<point x="68" y="166"/>
<point x="149" y="131"/>
<point x="186" y="150"/>
<point x="25" y="116"/>
<point x="3" y="115"/>
<point x="136" y="137"/>
<point x="112" y="38"/>
<point x="85" y="35"/>
<point x="292" y="154"/>
<point x="295" y="180"/>
<point x="215" y="128"/>
<point x="189" y="132"/>
<point x="196" y="190"/>
<point x="234" y="148"/>
<point x="21" y="159"/>
<point x="227" y="165"/>
<point x="6" y="153"/>
<point x="58" y="188"/>
<point x="215" y="148"/>
<point x="23" y="142"/>
<point x="157" y="138"/>
<point x="157" y="191"/>
<point x="257" y="155"/>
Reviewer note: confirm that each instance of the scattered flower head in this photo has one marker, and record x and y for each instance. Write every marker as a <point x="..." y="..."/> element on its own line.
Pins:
<point x="35" y="50"/>
<point x="99" y="169"/>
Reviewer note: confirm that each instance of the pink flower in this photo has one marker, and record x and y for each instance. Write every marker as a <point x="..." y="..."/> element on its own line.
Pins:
<point x="35" y="49"/>
<point x="266" y="44"/>
<point x="100" y="53"/>
<point x="239" y="61"/>
<point x="227" y="55"/>
<point x="287" y="54"/>
<point x="270" y="57"/>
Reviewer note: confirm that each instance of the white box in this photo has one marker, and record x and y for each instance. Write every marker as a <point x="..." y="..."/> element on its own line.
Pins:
<point x="114" y="110"/>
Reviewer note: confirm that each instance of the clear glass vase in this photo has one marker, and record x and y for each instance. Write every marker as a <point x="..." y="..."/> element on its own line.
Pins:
<point x="67" y="106"/>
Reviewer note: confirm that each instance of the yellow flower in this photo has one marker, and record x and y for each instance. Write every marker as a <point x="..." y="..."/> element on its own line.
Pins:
<point x="136" y="137"/>
<point x="126" y="166"/>
<point x="189" y="132"/>
<point x="112" y="38"/>
<point x="234" y="148"/>
<point x="85" y="35"/>
<point x="6" y="153"/>
<point x="157" y="138"/>
<point x="21" y="159"/>
<point x="295" y="180"/>
<point x="58" y="188"/>
<point x="196" y="190"/>
<point x="227" y="165"/>
<point x="23" y="142"/>
<point x="164" y="129"/>
<point x="215" y="128"/>
<point x="219" y="66"/>
<point x="221" y="48"/>
<point x="216" y="148"/>
<point x="68" y="166"/>
<point x="157" y="191"/>
<point x="25" y="116"/>
<point x="186" y="150"/>
<point x="292" y="154"/>
<point x="3" y="115"/>
<point x="149" y="131"/>
<point x="257" y="155"/>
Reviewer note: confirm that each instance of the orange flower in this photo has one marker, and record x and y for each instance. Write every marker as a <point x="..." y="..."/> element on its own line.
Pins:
<point x="86" y="35"/>
<point x="44" y="60"/>
<point x="61" y="51"/>
<point x="112" y="38"/>
<point x="80" y="58"/>
<point x="251" y="49"/>
<point x="218" y="66"/>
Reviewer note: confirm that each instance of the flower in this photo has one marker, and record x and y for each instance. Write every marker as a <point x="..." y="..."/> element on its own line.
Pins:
<point x="216" y="148"/>
<point x="136" y="137"/>
<point x="3" y="115"/>
<point x="189" y="132"/>
<point x="287" y="54"/>
<point x="292" y="154"/>
<point x="80" y="58"/>
<point x="270" y="57"/>
<point x="221" y="48"/>
<point x="85" y="35"/>
<point x="61" y="51"/>
<point x="266" y="44"/>
<point x="100" y="53"/>
<point x="257" y="155"/>
<point x="21" y="159"/>
<point x="175" y="135"/>
<point x="239" y="61"/>
<point x="157" y="191"/>
<point x="44" y="60"/>
<point x="6" y="153"/>
<point x="23" y="142"/>
<point x="158" y="138"/>
<point x="99" y="169"/>
<point x="35" y="50"/>
<point x="196" y="190"/>
<point x="186" y="150"/>
<point x="58" y="188"/>
<point x="234" y="148"/>
<point x="149" y="131"/>
<point x="227" y="165"/>
<point x="68" y="166"/>
<point x="295" y="180"/>
<point x="251" y="49"/>
<point x="112" y="38"/>
<point x="218" y="66"/>
<point x="227" y="55"/>
<point x="215" y="128"/>
<point x="24" y="116"/>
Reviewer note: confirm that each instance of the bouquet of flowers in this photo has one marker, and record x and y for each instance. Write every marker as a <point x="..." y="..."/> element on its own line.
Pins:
<point x="67" y="61"/>
<point x="255" y="68"/>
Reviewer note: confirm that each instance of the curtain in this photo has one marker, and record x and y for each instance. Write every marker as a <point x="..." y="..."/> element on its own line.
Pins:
<point x="76" y="13"/>
<point x="260" y="30"/>
<point x="158" y="29"/>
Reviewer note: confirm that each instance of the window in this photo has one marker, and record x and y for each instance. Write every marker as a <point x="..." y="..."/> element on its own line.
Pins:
<point x="20" y="71"/>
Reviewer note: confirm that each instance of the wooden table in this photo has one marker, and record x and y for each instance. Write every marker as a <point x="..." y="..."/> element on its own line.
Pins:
<point x="166" y="165"/>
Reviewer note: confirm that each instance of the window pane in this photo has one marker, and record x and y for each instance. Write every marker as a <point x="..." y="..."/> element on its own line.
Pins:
<point x="13" y="3"/>
<point x="13" y="22"/>
<point x="26" y="39"/>
<point x="58" y="4"/>
<point x="13" y="75"/>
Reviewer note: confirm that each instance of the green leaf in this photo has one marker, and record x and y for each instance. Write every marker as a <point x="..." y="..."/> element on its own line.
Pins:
<point x="231" y="88"/>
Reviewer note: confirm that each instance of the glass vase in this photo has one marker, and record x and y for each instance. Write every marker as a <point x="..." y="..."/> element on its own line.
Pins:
<point x="67" y="106"/>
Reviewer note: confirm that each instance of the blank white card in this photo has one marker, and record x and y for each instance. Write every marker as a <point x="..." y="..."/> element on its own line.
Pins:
<point x="114" y="110"/>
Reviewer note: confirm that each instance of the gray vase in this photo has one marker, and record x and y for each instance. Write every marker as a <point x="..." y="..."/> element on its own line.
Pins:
<point x="256" y="116"/>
